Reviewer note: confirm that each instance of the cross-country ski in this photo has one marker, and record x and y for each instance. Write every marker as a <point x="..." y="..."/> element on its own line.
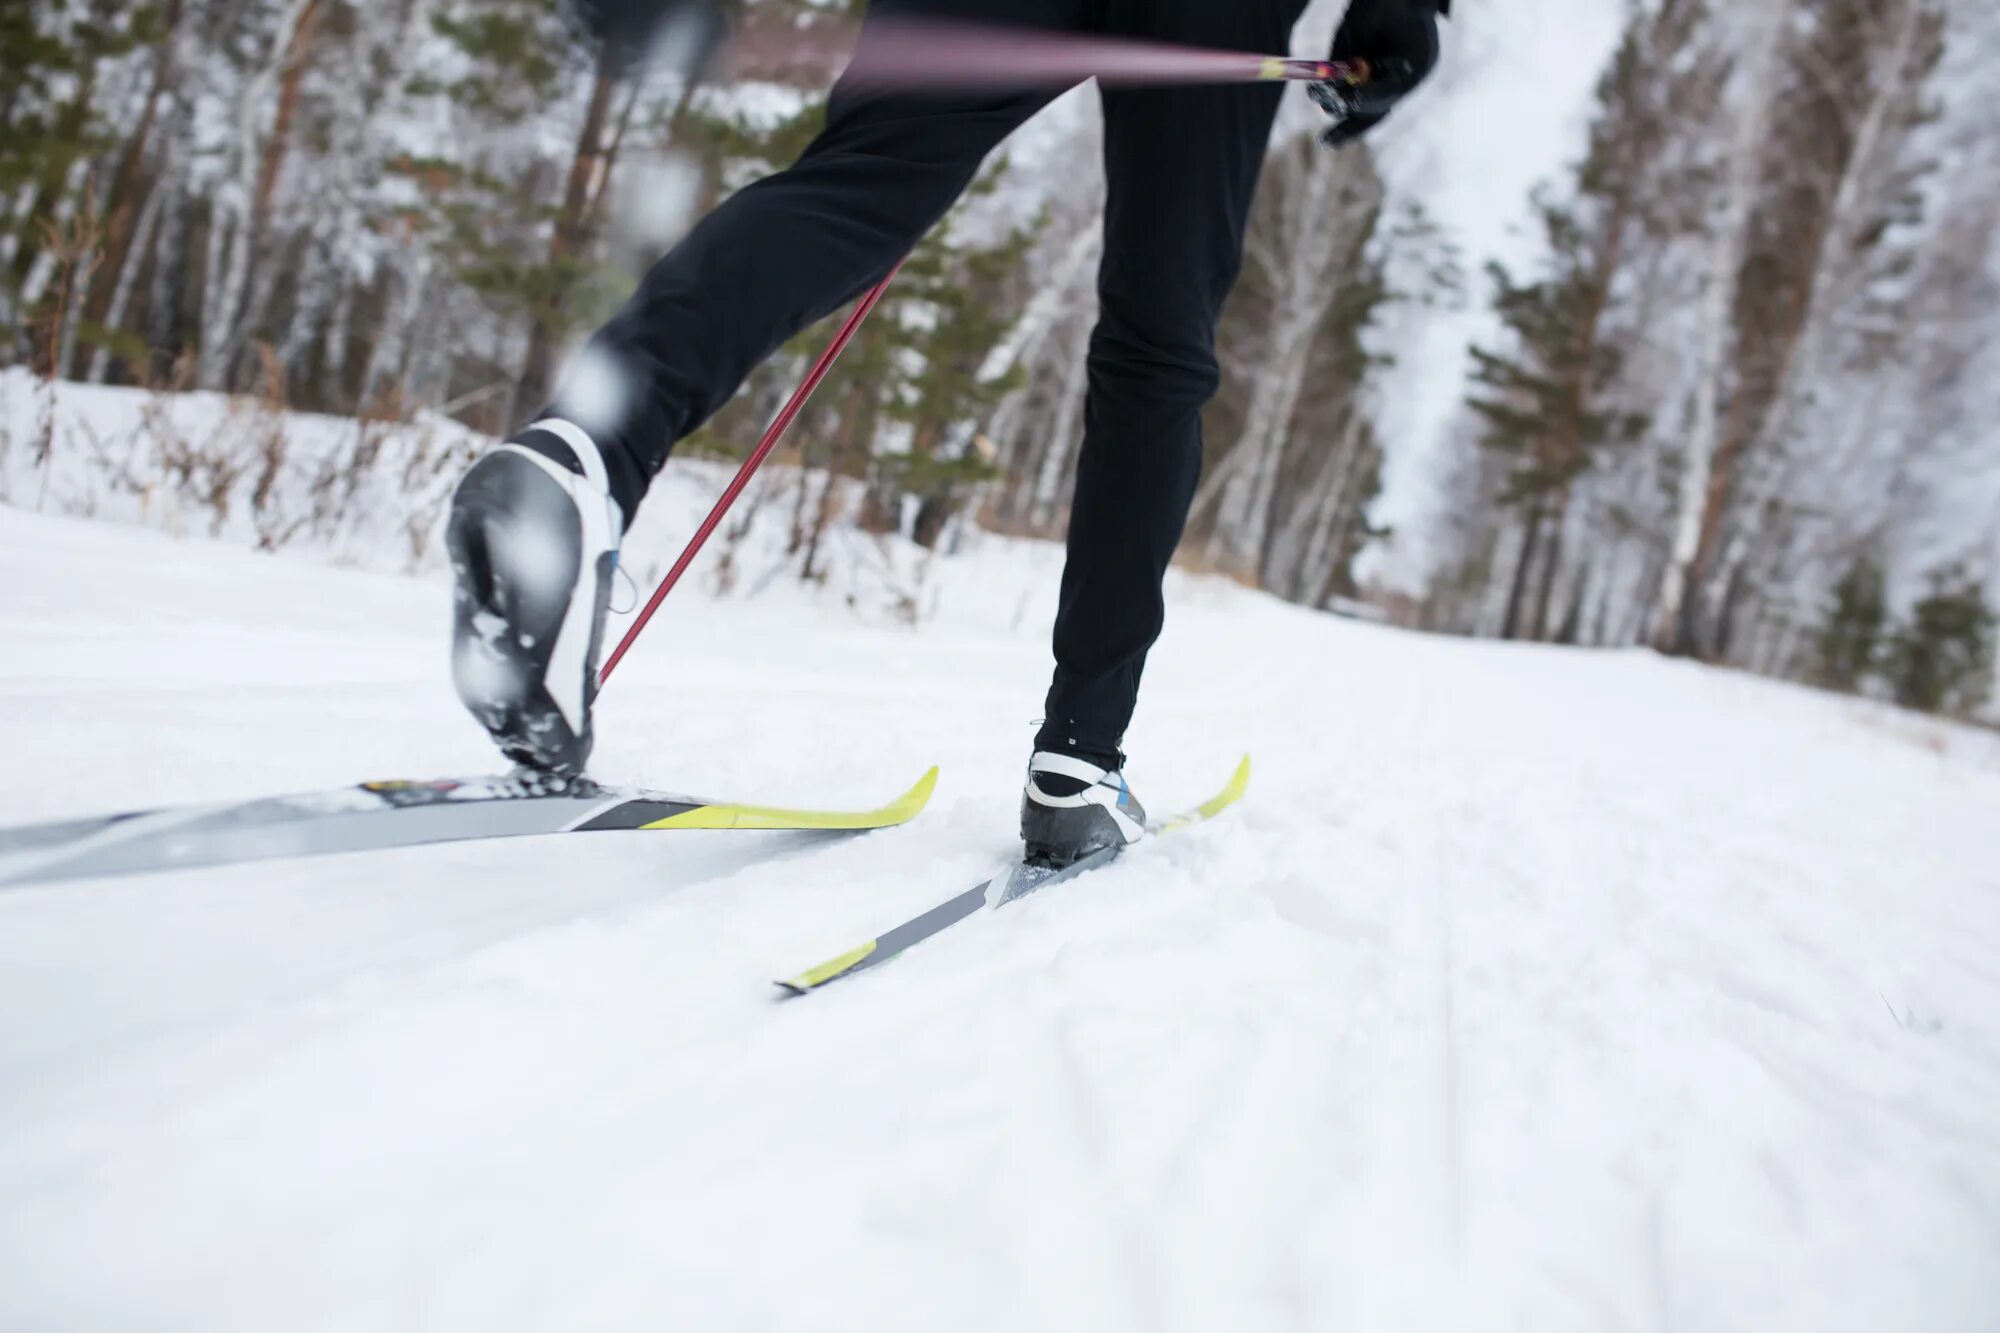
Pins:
<point x="373" y="816"/>
<point x="1030" y="876"/>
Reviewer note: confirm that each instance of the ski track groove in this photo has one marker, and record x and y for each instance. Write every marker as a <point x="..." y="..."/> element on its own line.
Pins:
<point x="1454" y="1136"/>
<point x="1659" y="1276"/>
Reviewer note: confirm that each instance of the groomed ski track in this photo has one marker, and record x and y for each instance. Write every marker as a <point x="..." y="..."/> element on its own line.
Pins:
<point x="1529" y="989"/>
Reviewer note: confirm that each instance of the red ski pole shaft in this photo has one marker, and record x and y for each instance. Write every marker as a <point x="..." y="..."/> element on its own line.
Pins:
<point x="779" y="425"/>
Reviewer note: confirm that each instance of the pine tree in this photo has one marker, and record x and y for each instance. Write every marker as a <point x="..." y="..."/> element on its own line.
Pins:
<point x="1545" y="400"/>
<point x="52" y="62"/>
<point x="513" y="229"/>
<point x="950" y="292"/>
<point x="1849" y="645"/>
<point x="1554" y="396"/>
<point x="1942" y="660"/>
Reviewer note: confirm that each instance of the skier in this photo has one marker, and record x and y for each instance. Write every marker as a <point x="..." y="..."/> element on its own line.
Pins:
<point x="535" y="524"/>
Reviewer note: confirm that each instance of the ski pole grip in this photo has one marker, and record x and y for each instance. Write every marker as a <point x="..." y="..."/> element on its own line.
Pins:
<point x="1357" y="88"/>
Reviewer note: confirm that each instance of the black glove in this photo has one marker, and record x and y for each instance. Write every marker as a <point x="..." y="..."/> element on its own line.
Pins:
<point x="1398" y="41"/>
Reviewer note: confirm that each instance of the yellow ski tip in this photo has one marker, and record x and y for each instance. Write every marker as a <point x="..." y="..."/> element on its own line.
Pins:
<point x="916" y="798"/>
<point x="1231" y="793"/>
<point x="899" y="811"/>
<point x="814" y="977"/>
<point x="1239" y="783"/>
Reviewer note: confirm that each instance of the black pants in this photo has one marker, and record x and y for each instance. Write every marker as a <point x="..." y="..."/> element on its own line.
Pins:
<point x="1181" y="165"/>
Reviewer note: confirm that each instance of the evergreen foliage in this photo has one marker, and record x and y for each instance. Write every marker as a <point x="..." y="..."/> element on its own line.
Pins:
<point x="899" y="412"/>
<point x="52" y="125"/>
<point x="1849" y="645"/>
<point x="401" y="206"/>
<point x="1942" y="660"/>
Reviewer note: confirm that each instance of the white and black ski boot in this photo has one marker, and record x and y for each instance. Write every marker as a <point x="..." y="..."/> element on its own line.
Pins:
<point x="1073" y="808"/>
<point x="533" y="537"/>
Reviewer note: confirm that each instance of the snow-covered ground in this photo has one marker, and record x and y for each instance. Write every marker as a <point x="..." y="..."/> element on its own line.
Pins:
<point x="1529" y="990"/>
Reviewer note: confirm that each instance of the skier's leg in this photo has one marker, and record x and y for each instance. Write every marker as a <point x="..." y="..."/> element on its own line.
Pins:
<point x="534" y="527"/>
<point x="786" y="251"/>
<point x="1181" y="167"/>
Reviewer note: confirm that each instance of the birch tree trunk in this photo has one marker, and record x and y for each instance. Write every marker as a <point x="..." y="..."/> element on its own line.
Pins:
<point x="381" y="67"/>
<point x="589" y="165"/>
<point x="1040" y="337"/>
<point x="1538" y="625"/>
<point x="163" y="298"/>
<point x="125" y="234"/>
<point x="1300" y="543"/>
<point x="1517" y="592"/>
<point x="1214" y="481"/>
<point x="1833" y="279"/>
<point x="1727" y="248"/>
<point x="1045" y="500"/>
<point x="1327" y="552"/>
<point x="390" y="348"/>
<point x="232" y="230"/>
<point x="1300" y="262"/>
<point x="42" y="267"/>
<point x="1244" y="518"/>
<point x="1045" y="309"/>
<point x="339" y="329"/>
<point x="126" y="279"/>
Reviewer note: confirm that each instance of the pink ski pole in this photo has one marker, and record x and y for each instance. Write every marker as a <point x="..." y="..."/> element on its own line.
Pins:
<point x="782" y="422"/>
<point x="916" y="54"/>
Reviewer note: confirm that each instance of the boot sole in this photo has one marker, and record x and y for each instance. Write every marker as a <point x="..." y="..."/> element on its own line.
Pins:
<point x="509" y="605"/>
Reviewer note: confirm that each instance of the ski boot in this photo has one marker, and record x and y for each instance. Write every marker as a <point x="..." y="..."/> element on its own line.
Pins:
<point x="1072" y="808"/>
<point x="533" y="537"/>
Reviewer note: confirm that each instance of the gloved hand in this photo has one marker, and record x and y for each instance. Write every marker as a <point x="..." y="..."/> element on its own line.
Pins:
<point x="1398" y="39"/>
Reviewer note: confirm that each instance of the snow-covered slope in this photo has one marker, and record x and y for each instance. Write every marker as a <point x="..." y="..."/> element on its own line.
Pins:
<point x="1529" y="989"/>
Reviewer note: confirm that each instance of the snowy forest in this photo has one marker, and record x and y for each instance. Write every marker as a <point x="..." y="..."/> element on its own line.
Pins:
<point x="1737" y="403"/>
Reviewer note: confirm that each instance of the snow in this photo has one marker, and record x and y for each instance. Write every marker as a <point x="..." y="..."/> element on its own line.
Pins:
<point x="1528" y="989"/>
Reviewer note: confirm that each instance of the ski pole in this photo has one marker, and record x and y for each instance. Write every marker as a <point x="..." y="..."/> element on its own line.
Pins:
<point x="779" y="424"/>
<point x="916" y="54"/>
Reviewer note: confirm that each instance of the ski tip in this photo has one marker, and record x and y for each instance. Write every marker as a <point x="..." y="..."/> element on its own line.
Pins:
<point x="913" y="801"/>
<point x="1231" y="793"/>
<point x="1239" y="783"/>
<point x="724" y="816"/>
<point x="814" y="977"/>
